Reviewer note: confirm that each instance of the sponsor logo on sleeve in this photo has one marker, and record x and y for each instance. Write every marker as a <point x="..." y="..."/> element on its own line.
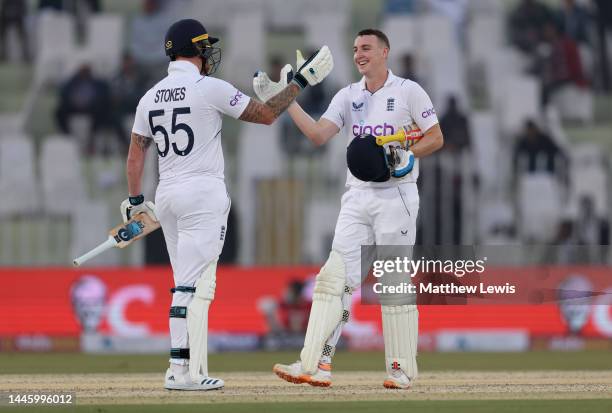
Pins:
<point x="236" y="98"/>
<point x="427" y="113"/>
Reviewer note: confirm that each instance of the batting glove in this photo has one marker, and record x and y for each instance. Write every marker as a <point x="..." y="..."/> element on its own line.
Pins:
<point x="134" y="205"/>
<point x="265" y="88"/>
<point x="314" y="69"/>
<point x="402" y="162"/>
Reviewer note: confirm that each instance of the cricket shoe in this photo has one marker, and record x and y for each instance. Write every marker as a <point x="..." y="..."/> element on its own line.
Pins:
<point x="397" y="380"/>
<point x="293" y="373"/>
<point x="182" y="381"/>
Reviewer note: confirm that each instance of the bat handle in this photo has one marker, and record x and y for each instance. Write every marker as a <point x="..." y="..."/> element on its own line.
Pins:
<point x="396" y="137"/>
<point x="106" y="245"/>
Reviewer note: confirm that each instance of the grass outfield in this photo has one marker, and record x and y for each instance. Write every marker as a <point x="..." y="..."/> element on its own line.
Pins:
<point x="28" y="363"/>
<point x="433" y="406"/>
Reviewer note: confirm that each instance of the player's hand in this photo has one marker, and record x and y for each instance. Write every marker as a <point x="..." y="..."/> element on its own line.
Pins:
<point x="402" y="162"/>
<point x="265" y="88"/>
<point x="314" y="69"/>
<point x="135" y="205"/>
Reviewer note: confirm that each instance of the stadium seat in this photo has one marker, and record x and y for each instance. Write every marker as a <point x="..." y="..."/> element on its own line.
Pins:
<point x="105" y="41"/>
<point x="486" y="147"/>
<point x="574" y="103"/>
<point x="61" y="175"/>
<point x="484" y="36"/>
<point x="259" y="156"/>
<point x="321" y="216"/>
<point x="539" y="207"/>
<point x="401" y="30"/>
<point x="55" y="45"/>
<point x="520" y="101"/>
<point x="330" y="29"/>
<point x="97" y="230"/>
<point x="589" y="176"/>
<point x="17" y="177"/>
<point x="240" y="52"/>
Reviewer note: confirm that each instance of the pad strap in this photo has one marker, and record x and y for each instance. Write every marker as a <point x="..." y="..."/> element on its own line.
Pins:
<point x="179" y="353"/>
<point x="183" y="289"/>
<point x="178" y="312"/>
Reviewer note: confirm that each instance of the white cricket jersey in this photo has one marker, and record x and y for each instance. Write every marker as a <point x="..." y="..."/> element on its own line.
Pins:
<point x="183" y="114"/>
<point x="399" y="102"/>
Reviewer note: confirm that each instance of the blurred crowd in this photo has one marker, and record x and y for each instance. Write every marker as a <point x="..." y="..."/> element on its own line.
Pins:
<point x="563" y="45"/>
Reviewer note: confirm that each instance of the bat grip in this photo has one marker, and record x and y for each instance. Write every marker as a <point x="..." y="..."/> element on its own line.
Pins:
<point x="106" y="245"/>
<point x="396" y="137"/>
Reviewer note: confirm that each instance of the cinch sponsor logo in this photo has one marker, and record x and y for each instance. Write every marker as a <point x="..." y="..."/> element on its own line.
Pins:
<point x="236" y="98"/>
<point x="428" y="113"/>
<point x="376" y="130"/>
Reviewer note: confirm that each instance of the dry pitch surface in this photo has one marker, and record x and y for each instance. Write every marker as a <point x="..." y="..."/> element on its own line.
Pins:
<point x="139" y="388"/>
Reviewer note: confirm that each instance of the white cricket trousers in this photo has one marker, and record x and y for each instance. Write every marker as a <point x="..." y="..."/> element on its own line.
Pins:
<point x="193" y="215"/>
<point x="368" y="216"/>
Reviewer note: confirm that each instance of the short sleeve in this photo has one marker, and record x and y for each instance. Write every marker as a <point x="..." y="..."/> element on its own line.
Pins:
<point x="421" y="108"/>
<point x="335" y="110"/>
<point x="224" y="97"/>
<point x="141" y="124"/>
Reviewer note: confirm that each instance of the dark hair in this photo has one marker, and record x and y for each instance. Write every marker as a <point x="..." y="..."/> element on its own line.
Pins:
<point x="375" y="32"/>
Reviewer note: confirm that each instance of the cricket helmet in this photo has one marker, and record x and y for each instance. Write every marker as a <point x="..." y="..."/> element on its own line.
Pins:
<point x="189" y="38"/>
<point x="367" y="160"/>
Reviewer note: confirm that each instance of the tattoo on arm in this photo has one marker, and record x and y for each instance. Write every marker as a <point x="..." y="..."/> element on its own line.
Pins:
<point x="142" y="142"/>
<point x="279" y="103"/>
<point x="258" y="112"/>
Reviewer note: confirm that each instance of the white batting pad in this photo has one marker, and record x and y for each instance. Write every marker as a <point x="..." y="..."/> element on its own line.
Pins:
<point x="400" y="333"/>
<point x="197" y="322"/>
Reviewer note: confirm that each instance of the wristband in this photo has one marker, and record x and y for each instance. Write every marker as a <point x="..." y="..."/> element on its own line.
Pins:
<point x="300" y="80"/>
<point x="136" y="200"/>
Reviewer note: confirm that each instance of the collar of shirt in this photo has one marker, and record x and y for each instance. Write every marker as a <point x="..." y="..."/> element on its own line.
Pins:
<point x="182" y="66"/>
<point x="390" y="78"/>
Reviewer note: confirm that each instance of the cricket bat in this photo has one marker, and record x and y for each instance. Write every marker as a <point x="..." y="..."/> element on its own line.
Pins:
<point x="406" y="136"/>
<point x="121" y="236"/>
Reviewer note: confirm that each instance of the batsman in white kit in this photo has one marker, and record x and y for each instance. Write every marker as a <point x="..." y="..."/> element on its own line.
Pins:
<point x="182" y="115"/>
<point x="380" y="206"/>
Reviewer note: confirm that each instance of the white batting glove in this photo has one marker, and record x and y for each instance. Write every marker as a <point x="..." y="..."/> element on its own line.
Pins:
<point x="265" y="88"/>
<point x="314" y="69"/>
<point x="134" y="205"/>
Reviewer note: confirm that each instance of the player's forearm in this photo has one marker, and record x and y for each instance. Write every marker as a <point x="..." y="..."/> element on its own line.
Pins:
<point x="306" y="124"/>
<point x="280" y="102"/>
<point x="432" y="141"/>
<point x="135" y="163"/>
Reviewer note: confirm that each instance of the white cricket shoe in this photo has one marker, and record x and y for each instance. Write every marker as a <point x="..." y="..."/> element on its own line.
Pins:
<point x="397" y="380"/>
<point x="293" y="373"/>
<point x="182" y="381"/>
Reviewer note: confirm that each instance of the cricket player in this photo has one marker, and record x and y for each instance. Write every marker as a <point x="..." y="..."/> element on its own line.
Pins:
<point x="378" y="208"/>
<point x="182" y="115"/>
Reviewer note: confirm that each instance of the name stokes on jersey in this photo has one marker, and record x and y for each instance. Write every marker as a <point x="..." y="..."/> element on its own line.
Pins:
<point x="170" y="95"/>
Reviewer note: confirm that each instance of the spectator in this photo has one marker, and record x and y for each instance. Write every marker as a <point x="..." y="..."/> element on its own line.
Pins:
<point x="454" y="123"/>
<point x="146" y="34"/>
<point x="558" y="63"/>
<point x="83" y="94"/>
<point x="536" y="152"/>
<point x="590" y="228"/>
<point x="12" y="14"/>
<point x="127" y="87"/>
<point x="604" y="25"/>
<point x="526" y="22"/>
<point x="408" y="67"/>
<point x="575" y="20"/>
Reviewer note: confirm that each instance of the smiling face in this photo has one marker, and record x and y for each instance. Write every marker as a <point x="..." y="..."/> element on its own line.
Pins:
<point x="369" y="54"/>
